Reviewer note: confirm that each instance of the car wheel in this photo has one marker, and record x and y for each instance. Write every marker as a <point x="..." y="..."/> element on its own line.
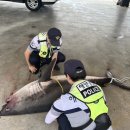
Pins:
<point x="33" y="5"/>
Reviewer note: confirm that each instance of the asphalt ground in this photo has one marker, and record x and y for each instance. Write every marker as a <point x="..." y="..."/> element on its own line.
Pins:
<point x="96" y="32"/>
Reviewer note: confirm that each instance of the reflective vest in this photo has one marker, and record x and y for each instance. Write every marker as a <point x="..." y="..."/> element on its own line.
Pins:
<point x="92" y="95"/>
<point x="45" y="52"/>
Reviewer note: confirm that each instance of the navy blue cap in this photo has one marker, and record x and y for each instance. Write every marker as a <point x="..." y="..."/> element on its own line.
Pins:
<point x="54" y="36"/>
<point x="73" y="67"/>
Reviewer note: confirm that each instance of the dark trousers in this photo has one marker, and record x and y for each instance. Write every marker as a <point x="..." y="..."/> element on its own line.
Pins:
<point x="38" y="62"/>
<point x="103" y="122"/>
<point x="63" y="123"/>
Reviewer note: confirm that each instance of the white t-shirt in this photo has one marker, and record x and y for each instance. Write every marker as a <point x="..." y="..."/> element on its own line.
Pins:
<point x="35" y="44"/>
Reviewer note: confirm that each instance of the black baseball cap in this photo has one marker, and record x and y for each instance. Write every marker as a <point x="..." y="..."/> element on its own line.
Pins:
<point x="54" y="36"/>
<point x="74" y="68"/>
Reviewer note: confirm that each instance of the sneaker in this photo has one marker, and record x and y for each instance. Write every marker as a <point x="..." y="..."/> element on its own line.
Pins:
<point x="57" y="68"/>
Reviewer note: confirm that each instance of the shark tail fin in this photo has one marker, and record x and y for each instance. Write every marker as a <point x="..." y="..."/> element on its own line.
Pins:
<point x="121" y="83"/>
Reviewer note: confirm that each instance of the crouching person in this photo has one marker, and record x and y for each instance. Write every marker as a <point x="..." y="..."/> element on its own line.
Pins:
<point x="84" y="107"/>
<point x="43" y="48"/>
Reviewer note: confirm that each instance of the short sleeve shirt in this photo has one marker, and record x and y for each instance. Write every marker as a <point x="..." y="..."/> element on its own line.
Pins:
<point x="35" y="44"/>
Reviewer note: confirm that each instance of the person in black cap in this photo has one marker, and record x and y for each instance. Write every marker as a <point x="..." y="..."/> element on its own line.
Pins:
<point x="43" y="48"/>
<point x="84" y="107"/>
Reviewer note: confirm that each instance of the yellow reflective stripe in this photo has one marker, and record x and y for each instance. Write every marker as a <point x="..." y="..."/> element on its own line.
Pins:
<point x="95" y="96"/>
<point x="51" y="50"/>
<point x="89" y="99"/>
<point x="62" y="89"/>
<point x="97" y="108"/>
<point x="95" y="102"/>
<point x="41" y="36"/>
<point x="53" y="47"/>
<point x="44" y="49"/>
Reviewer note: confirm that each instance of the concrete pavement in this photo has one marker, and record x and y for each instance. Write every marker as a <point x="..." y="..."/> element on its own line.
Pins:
<point x="96" y="32"/>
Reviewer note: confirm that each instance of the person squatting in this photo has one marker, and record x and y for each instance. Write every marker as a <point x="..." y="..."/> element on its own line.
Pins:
<point x="43" y="48"/>
<point x="84" y="107"/>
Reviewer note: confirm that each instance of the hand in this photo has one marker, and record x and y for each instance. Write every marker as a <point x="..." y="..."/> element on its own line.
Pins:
<point x="32" y="69"/>
<point x="55" y="55"/>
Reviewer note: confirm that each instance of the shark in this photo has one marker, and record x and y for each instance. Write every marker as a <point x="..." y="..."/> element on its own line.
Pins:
<point x="39" y="95"/>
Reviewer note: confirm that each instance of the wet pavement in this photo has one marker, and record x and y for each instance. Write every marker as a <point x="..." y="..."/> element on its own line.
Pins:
<point x="96" y="32"/>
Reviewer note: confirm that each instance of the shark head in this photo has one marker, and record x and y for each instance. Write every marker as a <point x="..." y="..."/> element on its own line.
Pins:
<point x="33" y="97"/>
<point x="8" y="108"/>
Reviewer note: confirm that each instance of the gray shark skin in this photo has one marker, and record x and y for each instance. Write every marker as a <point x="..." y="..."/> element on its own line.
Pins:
<point x="39" y="95"/>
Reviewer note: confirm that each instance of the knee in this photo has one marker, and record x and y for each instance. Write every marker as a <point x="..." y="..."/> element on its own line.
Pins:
<point x="34" y="58"/>
<point x="61" y="57"/>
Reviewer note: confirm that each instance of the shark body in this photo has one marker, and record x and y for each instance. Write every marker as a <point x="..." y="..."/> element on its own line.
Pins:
<point x="39" y="95"/>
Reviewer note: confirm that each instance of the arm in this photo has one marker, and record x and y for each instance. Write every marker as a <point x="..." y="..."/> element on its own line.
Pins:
<point x="55" y="55"/>
<point x="55" y="111"/>
<point x="31" y="47"/>
<point x="50" y="117"/>
<point x="27" y="54"/>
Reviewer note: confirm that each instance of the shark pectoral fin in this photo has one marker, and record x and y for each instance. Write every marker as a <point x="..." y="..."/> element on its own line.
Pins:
<point x="48" y="72"/>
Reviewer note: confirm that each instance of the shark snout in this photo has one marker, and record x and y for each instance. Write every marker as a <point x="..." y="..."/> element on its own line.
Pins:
<point x="9" y="106"/>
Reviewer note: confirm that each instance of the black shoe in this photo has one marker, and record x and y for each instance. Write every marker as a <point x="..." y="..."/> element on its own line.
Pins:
<point x="57" y="68"/>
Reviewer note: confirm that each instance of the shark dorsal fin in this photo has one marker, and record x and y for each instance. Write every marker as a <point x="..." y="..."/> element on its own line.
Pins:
<point x="48" y="72"/>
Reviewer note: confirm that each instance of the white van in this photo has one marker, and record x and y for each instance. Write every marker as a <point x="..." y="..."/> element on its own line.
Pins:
<point x="35" y="5"/>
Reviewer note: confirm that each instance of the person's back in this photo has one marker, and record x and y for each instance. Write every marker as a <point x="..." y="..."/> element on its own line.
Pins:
<point x="76" y="111"/>
<point x="89" y="93"/>
<point x="84" y="106"/>
<point x="93" y="97"/>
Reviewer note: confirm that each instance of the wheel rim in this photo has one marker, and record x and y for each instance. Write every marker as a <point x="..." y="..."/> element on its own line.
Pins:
<point x="33" y="4"/>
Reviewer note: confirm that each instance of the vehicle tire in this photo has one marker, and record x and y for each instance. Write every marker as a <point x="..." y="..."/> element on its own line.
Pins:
<point x="33" y="5"/>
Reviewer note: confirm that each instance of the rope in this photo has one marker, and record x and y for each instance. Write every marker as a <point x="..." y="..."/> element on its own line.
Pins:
<point x="59" y="84"/>
<point x="123" y="80"/>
